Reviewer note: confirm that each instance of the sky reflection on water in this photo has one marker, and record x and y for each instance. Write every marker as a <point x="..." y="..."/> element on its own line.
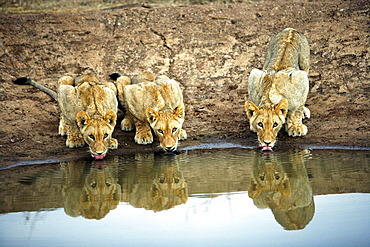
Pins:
<point x="226" y="220"/>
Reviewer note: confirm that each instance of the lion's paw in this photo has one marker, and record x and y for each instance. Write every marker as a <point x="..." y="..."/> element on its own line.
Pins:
<point x="183" y="135"/>
<point x="297" y="129"/>
<point x="113" y="143"/>
<point x="127" y="125"/>
<point x="75" y="142"/>
<point x="144" y="138"/>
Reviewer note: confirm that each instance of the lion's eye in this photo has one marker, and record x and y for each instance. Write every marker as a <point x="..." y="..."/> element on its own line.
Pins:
<point x="174" y="130"/>
<point x="260" y="124"/>
<point x="92" y="137"/>
<point x="93" y="185"/>
<point x="262" y="177"/>
<point x="277" y="176"/>
<point x="107" y="184"/>
<point x="105" y="136"/>
<point x="160" y="131"/>
<point x="275" y="125"/>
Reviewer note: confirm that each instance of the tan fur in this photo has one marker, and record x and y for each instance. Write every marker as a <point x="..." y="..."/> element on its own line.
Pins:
<point x="278" y="93"/>
<point x="153" y="102"/>
<point x="90" y="190"/>
<point x="101" y="193"/>
<point x="281" y="184"/>
<point x="88" y="113"/>
<point x="269" y="175"/>
<point x="154" y="182"/>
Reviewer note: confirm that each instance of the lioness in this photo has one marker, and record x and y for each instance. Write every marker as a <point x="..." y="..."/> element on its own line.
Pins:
<point x="90" y="190"/>
<point x="282" y="184"/>
<point x="88" y="111"/>
<point x="152" y="102"/>
<point x="278" y="93"/>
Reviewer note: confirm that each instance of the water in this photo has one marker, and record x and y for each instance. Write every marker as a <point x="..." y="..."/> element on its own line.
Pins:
<point x="217" y="197"/>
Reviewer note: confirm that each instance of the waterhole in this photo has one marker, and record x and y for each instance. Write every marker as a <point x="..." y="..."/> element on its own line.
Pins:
<point x="217" y="197"/>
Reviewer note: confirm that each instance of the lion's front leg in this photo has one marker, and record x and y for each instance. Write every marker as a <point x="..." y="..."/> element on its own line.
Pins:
<point x="121" y="83"/>
<point x="294" y="125"/>
<point x="74" y="136"/>
<point x="113" y="143"/>
<point x="143" y="132"/>
<point x="183" y="135"/>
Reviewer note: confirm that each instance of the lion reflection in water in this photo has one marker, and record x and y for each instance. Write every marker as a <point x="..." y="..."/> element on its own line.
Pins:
<point x="154" y="183"/>
<point x="283" y="186"/>
<point x="89" y="190"/>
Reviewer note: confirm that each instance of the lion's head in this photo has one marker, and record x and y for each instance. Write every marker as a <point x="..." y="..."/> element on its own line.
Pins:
<point x="269" y="175"/>
<point x="167" y="125"/>
<point x="100" y="194"/>
<point x="97" y="132"/>
<point x="267" y="120"/>
<point x="168" y="189"/>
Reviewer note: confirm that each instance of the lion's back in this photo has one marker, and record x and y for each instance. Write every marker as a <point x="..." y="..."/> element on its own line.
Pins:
<point x="159" y="95"/>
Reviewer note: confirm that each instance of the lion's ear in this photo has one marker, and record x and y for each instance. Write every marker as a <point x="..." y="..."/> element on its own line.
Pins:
<point x="82" y="119"/>
<point x="179" y="111"/>
<point x="152" y="115"/>
<point x="110" y="117"/>
<point x="250" y="108"/>
<point x="254" y="190"/>
<point x="282" y="107"/>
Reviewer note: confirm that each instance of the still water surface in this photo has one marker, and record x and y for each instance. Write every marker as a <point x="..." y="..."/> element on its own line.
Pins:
<point x="218" y="197"/>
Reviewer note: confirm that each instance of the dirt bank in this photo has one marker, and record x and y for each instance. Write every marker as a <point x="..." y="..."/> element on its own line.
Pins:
<point x="209" y="50"/>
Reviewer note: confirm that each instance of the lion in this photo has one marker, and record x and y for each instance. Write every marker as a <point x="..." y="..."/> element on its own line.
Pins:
<point x="277" y="94"/>
<point x="88" y="111"/>
<point x="281" y="183"/>
<point x="90" y="190"/>
<point x="152" y="103"/>
<point x="269" y="175"/>
<point x="154" y="182"/>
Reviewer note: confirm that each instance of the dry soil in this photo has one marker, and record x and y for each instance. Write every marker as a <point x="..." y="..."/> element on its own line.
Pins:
<point x="210" y="50"/>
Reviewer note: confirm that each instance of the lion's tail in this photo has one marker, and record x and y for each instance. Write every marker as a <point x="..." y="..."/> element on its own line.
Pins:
<point x="115" y="76"/>
<point x="29" y="81"/>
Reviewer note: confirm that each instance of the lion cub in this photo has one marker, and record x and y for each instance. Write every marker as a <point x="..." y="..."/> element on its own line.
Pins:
<point x="278" y="93"/>
<point x="152" y="102"/>
<point x="88" y="112"/>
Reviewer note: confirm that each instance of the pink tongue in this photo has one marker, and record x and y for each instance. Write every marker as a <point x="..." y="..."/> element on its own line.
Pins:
<point x="99" y="157"/>
<point x="266" y="148"/>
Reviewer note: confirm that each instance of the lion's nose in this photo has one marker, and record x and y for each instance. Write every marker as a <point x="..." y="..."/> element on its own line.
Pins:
<point x="267" y="143"/>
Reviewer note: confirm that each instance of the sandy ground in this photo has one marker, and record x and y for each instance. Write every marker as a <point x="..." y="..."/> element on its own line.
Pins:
<point x="209" y="50"/>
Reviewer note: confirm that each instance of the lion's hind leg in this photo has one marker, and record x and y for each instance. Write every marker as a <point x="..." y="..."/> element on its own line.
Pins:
<point x="127" y="124"/>
<point x="294" y="125"/>
<point x="306" y="112"/>
<point x="62" y="127"/>
<point x="66" y="80"/>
